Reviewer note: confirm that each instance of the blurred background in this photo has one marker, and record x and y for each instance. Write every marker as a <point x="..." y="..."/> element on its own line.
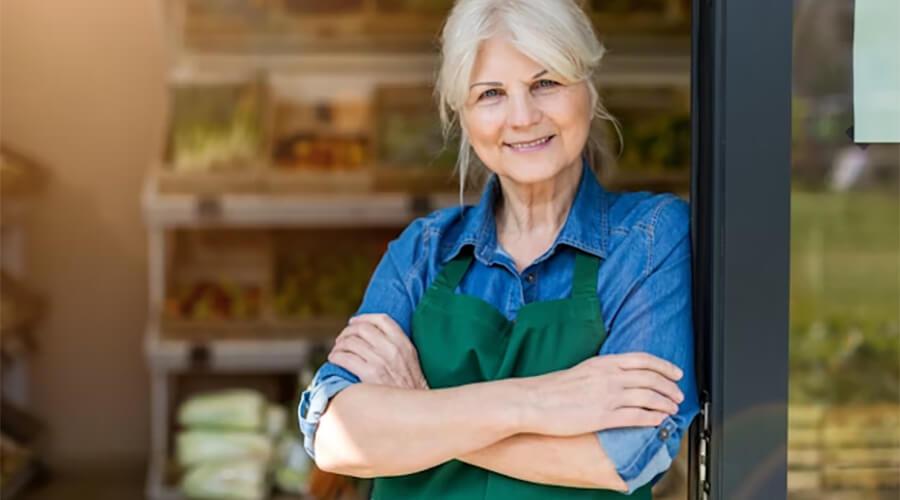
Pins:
<point x="195" y="192"/>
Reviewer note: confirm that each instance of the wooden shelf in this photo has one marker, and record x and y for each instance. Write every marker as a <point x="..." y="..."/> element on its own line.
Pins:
<point x="248" y="356"/>
<point x="288" y="210"/>
<point x="667" y="62"/>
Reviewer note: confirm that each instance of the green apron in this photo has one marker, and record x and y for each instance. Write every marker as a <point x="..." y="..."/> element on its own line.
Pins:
<point x="462" y="339"/>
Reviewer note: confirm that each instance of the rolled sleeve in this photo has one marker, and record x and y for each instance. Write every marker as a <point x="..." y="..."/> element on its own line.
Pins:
<point x="391" y="291"/>
<point x="656" y="318"/>
<point x="328" y="382"/>
<point x="641" y="454"/>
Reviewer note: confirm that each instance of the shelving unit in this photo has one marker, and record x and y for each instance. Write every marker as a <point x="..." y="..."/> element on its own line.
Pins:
<point x="22" y="308"/>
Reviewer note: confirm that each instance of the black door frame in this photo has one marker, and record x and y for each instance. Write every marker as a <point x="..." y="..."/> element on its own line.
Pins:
<point x="740" y="192"/>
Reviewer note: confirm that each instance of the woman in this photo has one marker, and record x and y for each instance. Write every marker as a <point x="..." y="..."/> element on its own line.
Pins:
<point x="537" y="345"/>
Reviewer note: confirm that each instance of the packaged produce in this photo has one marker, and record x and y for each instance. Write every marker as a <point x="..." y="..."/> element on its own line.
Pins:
<point x="240" y="480"/>
<point x="293" y="466"/>
<point x="197" y="446"/>
<point x="215" y="126"/>
<point x="276" y="420"/>
<point x="206" y="300"/>
<point x="237" y="409"/>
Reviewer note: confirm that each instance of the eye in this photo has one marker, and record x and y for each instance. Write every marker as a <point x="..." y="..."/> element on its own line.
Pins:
<point x="545" y="84"/>
<point x="489" y="93"/>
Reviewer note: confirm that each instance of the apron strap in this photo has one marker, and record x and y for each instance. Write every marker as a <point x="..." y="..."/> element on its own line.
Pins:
<point x="584" y="282"/>
<point x="453" y="272"/>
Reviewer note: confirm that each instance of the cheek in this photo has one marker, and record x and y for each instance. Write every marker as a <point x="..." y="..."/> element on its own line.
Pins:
<point x="571" y="114"/>
<point x="484" y="125"/>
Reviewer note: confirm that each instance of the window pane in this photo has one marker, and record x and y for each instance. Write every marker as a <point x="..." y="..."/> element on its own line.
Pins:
<point x="844" y="428"/>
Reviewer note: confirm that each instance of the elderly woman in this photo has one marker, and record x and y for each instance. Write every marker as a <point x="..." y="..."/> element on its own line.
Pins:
<point x="539" y="344"/>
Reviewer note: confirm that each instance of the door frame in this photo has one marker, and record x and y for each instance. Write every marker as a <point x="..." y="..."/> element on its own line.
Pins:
<point x="740" y="191"/>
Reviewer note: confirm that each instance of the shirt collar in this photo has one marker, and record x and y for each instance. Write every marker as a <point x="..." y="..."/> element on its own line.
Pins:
<point x="586" y="227"/>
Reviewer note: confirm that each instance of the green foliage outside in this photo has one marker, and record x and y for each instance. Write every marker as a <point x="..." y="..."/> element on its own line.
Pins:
<point x="845" y="297"/>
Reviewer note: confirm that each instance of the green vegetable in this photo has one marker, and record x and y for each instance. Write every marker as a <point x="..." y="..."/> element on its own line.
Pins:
<point x="238" y="409"/>
<point x="276" y="420"/>
<point x="291" y="480"/>
<point x="293" y="465"/>
<point x="195" y="447"/>
<point x="242" y="480"/>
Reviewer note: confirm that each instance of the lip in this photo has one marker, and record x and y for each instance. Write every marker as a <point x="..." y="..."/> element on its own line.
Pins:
<point x="547" y="140"/>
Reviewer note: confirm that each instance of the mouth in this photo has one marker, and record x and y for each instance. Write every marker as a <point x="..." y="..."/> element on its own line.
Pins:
<point x="529" y="145"/>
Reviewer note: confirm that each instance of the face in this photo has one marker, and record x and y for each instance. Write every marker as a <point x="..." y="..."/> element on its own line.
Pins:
<point x="524" y="122"/>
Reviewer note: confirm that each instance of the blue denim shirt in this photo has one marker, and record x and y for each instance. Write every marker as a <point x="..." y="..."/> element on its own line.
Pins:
<point x="644" y="286"/>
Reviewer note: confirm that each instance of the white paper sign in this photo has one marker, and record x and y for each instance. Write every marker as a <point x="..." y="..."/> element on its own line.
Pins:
<point x="876" y="71"/>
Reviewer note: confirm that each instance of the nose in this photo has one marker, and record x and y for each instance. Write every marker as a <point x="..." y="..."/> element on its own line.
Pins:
<point x="523" y="111"/>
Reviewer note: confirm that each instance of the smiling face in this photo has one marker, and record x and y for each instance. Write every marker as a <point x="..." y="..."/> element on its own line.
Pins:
<point x="524" y="122"/>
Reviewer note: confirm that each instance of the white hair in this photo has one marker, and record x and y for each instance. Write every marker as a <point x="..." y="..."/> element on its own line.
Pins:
<point x="554" y="33"/>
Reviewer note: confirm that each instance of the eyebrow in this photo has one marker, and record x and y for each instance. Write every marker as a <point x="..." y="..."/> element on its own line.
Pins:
<point x="500" y="84"/>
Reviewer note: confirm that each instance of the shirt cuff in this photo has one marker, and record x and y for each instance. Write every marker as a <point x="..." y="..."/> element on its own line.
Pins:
<point x="641" y="453"/>
<point x="313" y="403"/>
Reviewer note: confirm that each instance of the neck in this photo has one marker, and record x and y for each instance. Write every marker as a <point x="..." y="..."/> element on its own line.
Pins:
<point x="539" y="210"/>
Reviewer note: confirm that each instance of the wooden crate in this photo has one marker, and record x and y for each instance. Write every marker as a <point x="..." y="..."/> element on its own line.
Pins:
<point x="170" y="389"/>
<point x="215" y="133"/>
<point x="640" y="16"/>
<point x="410" y="148"/>
<point x="309" y="281"/>
<point x="321" y="134"/>
<point x="217" y="282"/>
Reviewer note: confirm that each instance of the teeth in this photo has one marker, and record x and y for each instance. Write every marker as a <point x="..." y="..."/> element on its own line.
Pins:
<point x="522" y="145"/>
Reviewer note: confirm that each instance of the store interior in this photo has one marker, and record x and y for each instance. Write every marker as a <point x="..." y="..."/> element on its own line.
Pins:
<point x="195" y="193"/>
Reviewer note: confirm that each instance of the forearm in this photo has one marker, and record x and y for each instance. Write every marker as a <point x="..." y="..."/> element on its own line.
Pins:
<point x="374" y="430"/>
<point x="576" y="461"/>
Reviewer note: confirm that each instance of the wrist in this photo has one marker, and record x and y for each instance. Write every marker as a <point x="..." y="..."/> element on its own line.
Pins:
<point x="523" y="404"/>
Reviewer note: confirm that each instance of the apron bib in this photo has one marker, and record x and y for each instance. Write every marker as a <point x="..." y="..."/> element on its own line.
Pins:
<point x="462" y="339"/>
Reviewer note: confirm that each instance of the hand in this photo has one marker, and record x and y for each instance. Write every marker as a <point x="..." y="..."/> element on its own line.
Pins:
<point x="375" y="349"/>
<point x="618" y="390"/>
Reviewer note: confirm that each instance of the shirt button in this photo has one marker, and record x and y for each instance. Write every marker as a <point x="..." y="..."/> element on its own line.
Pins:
<point x="664" y="434"/>
<point x="530" y="277"/>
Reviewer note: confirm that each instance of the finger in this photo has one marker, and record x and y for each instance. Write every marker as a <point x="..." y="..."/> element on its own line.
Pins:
<point x="372" y="373"/>
<point x="648" y="400"/>
<point x="386" y="324"/>
<point x="399" y="350"/>
<point x="637" y="417"/>
<point x="652" y="380"/>
<point x="401" y="360"/>
<point x="380" y="342"/>
<point x="384" y="368"/>
<point x="353" y="364"/>
<point x="645" y="361"/>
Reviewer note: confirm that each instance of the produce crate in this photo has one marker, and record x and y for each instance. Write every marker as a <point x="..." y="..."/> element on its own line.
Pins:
<point x="321" y="134"/>
<point x="217" y="283"/>
<point x="410" y="19"/>
<point x="215" y="133"/>
<point x="171" y="390"/>
<point x="324" y="21"/>
<point x="656" y="132"/>
<point x="411" y="156"/>
<point x="324" y="273"/>
<point x="289" y="26"/>
<point x="641" y="16"/>
<point x="258" y="284"/>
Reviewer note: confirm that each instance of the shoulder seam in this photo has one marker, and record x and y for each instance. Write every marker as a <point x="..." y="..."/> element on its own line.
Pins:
<point x="666" y="200"/>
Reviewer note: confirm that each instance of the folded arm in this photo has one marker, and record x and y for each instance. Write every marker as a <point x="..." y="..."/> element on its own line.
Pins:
<point x="576" y="461"/>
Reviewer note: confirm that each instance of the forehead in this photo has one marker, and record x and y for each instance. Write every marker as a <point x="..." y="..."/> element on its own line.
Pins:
<point x="499" y="60"/>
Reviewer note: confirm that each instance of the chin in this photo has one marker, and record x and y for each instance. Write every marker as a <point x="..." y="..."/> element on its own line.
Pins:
<point x="534" y="172"/>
